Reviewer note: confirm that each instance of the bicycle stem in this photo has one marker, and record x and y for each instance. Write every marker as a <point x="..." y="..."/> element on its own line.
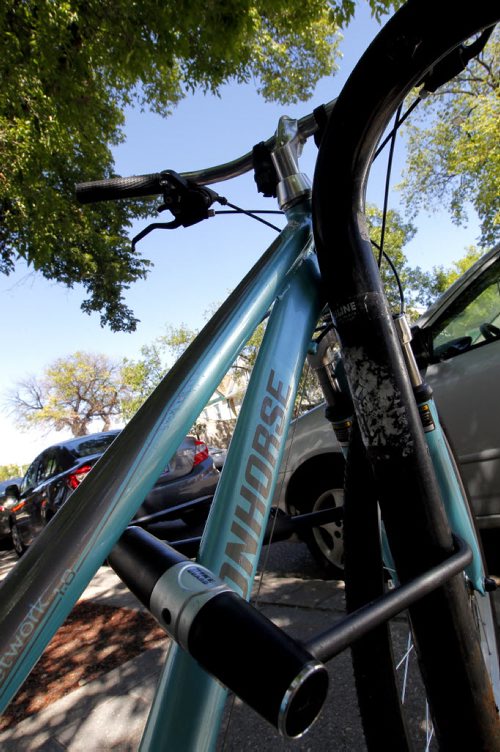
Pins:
<point x="293" y="185"/>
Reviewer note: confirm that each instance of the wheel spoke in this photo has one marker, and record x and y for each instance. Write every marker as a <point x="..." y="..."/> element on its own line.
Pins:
<point x="406" y="661"/>
<point x="428" y="727"/>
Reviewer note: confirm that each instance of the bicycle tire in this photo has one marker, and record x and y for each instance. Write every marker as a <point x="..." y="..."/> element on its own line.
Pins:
<point x="387" y="721"/>
<point x="373" y="659"/>
<point x="463" y="708"/>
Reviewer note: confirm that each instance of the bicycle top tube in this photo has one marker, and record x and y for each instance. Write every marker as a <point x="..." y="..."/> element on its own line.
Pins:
<point x="139" y="186"/>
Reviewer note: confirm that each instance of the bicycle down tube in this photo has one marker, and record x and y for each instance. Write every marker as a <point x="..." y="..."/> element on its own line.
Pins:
<point x="190" y="714"/>
<point x="40" y="591"/>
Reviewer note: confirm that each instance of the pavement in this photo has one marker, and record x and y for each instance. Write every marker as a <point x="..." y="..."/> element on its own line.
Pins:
<point x="110" y="712"/>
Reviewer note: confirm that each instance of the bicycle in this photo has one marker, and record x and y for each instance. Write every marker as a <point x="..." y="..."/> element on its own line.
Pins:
<point x="193" y="601"/>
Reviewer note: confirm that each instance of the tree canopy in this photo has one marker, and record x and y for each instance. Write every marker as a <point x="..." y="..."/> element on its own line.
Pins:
<point x="397" y="233"/>
<point x="69" y="68"/>
<point x="454" y="148"/>
<point x="12" y="471"/>
<point x="72" y="393"/>
<point x="440" y="278"/>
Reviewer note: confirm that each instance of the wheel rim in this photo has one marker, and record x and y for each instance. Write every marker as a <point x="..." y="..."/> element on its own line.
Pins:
<point x="483" y="615"/>
<point x="16" y="539"/>
<point x="385" y="663"/>
<point x="330" y="537"/>
<point x="411" y="689"/>
<point x="408" y="674"/>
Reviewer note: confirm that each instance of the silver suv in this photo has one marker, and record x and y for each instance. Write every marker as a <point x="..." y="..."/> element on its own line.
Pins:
<point x="457" y="343"/>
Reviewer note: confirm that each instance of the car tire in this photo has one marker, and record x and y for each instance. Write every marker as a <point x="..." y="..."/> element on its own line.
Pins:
<point x="326" y="542"/>
<point x="17" y="541"/>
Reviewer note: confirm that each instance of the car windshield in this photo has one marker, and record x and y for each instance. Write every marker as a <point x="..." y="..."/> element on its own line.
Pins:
<point x="92" y="445"/>
<point x="470" y="316"/>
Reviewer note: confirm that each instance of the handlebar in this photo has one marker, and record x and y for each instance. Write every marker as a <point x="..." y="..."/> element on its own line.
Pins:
<point x="110" y="189"/>
<point x="140" y="186"/>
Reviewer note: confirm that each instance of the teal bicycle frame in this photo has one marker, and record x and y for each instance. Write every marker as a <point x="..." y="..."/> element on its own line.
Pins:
<point x="43" y="587"/>
<point x="234" y="532"/>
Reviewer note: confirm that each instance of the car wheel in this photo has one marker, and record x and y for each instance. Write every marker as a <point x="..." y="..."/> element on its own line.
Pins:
<point x="17" y="541"/>
<point x="325" y="542"/>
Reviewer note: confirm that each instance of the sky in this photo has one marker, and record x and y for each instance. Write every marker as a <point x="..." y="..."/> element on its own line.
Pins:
<point x="195" y="267"/>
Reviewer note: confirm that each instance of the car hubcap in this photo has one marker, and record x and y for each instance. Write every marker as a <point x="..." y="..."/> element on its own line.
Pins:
<point x="330" y="537"/>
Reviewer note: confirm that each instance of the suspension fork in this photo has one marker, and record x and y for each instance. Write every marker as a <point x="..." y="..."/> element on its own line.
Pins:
<point x="451" y="487"/>
<point x="324" y="359"/>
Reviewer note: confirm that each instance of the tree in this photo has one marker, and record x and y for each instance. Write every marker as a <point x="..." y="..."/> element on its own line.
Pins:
<point x="454" y="148"/>
<point x="139" y="378"/>
<point x="12" y="471"/>
<point x="68" y="69"/>
<point x="73" y="393"/>
<point x="440" y="278"/>
<point x="397" y="234"/>
<point x="420" y="288"/>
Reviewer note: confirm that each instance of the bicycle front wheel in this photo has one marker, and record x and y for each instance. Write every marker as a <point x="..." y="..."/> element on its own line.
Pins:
<point x="392" y="701"/>
<point x="444" y="627"/>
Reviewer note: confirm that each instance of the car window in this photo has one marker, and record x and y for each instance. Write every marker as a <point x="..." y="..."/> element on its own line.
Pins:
<point x="65" y="459"/>
<point x="92" y="445"/>
<point x="31" y="477"/>
<point x="473" y="319"/>
<point x="48" y="465"/>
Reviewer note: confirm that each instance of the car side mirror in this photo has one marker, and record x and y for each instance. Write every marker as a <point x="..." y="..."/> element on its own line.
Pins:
<point x="422" y="346"/>
<point x="12" y="491"/>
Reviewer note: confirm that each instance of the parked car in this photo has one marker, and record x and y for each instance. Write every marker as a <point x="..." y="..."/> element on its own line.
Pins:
<point x="53" y="476"/>
<point x="6" y="503"/>
<point x="457" y="344"/>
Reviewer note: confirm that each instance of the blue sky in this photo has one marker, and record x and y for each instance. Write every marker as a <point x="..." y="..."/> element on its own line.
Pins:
<point x="193" y="267"/>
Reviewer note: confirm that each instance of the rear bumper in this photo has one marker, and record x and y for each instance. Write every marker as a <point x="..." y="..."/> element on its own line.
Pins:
<point x="201" y="482"/>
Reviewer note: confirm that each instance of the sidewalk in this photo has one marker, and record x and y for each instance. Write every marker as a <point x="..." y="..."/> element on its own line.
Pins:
<point x="109" y="713"/>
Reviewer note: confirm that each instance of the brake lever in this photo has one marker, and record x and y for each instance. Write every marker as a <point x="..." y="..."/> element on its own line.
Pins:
<point x="154" y="226"/>
<point x="188" y="202"/>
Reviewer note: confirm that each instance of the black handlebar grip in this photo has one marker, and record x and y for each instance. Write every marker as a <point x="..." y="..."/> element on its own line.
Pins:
<point x="137" y="186"/>
<point x="229" y="638"/>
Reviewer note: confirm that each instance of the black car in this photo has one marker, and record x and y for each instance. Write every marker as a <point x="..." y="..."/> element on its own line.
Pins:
<point x="187" y="485"/>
